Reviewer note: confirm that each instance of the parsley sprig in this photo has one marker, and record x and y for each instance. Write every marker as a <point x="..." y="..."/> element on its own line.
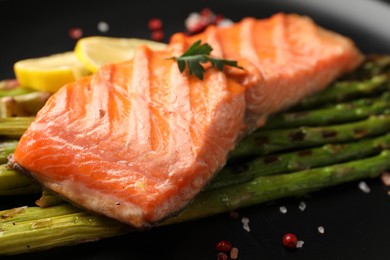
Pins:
<point x="197" y="54"/>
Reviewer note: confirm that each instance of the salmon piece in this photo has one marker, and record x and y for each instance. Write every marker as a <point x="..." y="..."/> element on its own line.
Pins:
<point x="138" y="140"/>
<point x="290" y="58"/>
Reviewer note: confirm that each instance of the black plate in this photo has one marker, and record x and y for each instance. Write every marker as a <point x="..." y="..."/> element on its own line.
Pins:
<point x="356" y="224"/>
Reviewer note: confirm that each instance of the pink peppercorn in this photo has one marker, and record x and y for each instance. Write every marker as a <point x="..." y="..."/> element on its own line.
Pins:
<point x="75" y="33"/>
<point x="222" y="256"/>
<point x="206" y="12"/>
<point x="223" y="246"/>
<point x="155" y="24"/>
<point x="157" y="35"/>
<point x="219" y="18"/>
<point x="290" y="240"/>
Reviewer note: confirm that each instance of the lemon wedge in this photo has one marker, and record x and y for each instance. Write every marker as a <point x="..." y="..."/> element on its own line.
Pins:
<point x="49" y="73"/>
<point x="95" y="51"/>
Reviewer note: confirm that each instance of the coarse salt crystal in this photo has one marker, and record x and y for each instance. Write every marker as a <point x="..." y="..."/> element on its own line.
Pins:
<point x="385" y="177"/>
<point x="300" y="243"/>
<point x="225" y="22"/>
<point x="283" y="209"/>
<point x="302" y="206"/>
<point x="192" y="20"/>
<point x="321" y="229"/>
<point x="234" y="253"/>
<point x="103" y="27"/>
<point x="364" y="187"/>
<point x="245" y="222"/>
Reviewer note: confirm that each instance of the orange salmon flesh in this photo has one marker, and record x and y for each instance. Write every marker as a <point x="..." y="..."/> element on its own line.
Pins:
<point x="138" y="140"/>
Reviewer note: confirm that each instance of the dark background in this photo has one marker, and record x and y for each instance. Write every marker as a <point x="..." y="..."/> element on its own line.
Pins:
<point x="356" y="224"/>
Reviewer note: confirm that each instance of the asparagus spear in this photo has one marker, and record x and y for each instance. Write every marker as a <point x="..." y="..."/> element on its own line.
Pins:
<point x="373" y="65"/>
<point x="14" y="126"/>
<point x="8" y="84"/>
<point x="23" y="105"/>
<point x="31" y="229"/>
<point x="51" y="227"/>
<point x="6" y="148"/>
<point x="15" y="183"/>
<point x="10" y="87"/>
<point x="273" y="164"/>
<point x="345" y="90"/>
<point x="48" y="199"/>
<point x="268" y="188"/>
<point x="264" y="142"/>
<point x="340" y="113"/>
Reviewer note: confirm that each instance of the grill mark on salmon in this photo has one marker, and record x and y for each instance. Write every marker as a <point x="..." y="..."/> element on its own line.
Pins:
<point x="138" y="140"/>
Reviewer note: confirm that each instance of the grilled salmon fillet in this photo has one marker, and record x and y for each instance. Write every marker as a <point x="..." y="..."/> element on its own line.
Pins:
<point x="138" y="140"/>
<point x="288" y="57"/>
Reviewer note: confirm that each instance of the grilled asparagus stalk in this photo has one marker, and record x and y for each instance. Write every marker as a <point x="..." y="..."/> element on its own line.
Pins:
<point x="28" y="229"/>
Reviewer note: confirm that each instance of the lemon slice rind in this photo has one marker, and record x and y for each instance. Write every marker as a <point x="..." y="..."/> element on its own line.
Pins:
<point x="49" y="73"/>
<point x="96" y="51"/>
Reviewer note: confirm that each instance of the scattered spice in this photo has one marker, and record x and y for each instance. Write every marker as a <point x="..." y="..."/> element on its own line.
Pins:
<point x="302" y="206"/>
<point x="283" y="209"/>
<point x="239" y="168"/>
<point x="321" y="229"/>
<point x="155" y="24"/>
<point x="385" y="178"/>
<point x="198" y="22"/>
<point x="364" y="187"/>
<point x="222" y="256"/>
<point x="223" y="246"/>
<point x="103" y="27"/>
<point x="194" y="23"/>
<point x="300" y="243"/>
<point x="157" y="35"/>
<point x="224" y="249"/>
<point x="304" y="153"/>
<point x="261" y="140"/>
<point x="270" y="159"/>
<point x="234" y="253"/>
<point x="298" y="135"/>
<point x="290" y="240"/>
<point x="329" y="133"/>
<point x="208" y="14"/>
<point x="225" y="22"/>
<point x="245" y="222"/>
<point x="75" y="33"/>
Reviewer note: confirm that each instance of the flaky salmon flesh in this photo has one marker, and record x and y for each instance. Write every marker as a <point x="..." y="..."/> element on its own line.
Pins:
<point x="138" y="140"/>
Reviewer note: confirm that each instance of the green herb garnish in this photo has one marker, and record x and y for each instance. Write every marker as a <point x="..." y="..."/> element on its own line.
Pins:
<point x="197" y="54"/>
